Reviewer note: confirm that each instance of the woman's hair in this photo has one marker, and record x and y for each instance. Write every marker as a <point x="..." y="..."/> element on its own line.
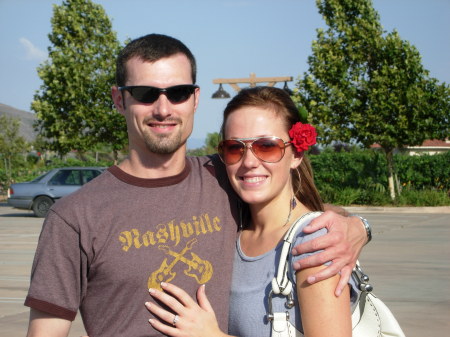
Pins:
<point x="278" y="101"/>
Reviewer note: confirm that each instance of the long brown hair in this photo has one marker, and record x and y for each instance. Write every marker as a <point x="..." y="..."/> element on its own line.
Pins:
<point x="280" y="102"/>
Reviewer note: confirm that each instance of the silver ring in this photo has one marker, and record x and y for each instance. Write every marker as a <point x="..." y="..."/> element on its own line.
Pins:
<point x="175" y="320"/>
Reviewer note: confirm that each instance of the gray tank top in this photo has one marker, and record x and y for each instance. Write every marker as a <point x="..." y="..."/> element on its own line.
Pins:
<point x="251" y="284"/>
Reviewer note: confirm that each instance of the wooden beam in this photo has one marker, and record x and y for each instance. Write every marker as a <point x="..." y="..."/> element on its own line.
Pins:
<point x="252" y="80"/>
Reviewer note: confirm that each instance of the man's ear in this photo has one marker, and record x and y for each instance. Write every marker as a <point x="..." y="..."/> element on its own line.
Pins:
<point x="196" y="98"/>
<point x="118" y="100"/>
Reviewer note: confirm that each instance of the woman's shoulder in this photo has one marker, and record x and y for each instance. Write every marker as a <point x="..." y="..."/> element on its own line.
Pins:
<point x="296" y="233"/>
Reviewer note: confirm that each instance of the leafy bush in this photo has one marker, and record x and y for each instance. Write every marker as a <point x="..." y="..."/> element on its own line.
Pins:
<point x="360" y="177"/>
<point x="29" y="171"/>
<point x="355" y="169"/>
<point x="424" y="171"/>
<point x="57" y="162"/>
<point x="350" y="196"/>
<point x="348" y="177"/>
<point x="423" y="198"/>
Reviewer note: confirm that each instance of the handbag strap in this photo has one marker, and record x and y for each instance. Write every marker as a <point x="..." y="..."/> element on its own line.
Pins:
<point x="281" y="284"/>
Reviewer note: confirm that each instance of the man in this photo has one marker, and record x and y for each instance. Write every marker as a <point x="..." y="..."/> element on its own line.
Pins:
<point x="158" y="216"/>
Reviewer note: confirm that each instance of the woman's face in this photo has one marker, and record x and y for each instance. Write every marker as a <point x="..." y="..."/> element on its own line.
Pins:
<point x="256" y="181"/>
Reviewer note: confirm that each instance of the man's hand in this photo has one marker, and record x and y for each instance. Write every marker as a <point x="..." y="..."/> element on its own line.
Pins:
<point x="341" y="245"/>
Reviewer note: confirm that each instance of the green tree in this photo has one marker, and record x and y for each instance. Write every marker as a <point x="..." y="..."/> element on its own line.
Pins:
<point x="369" y="86"/>
<point x="212" y="141"/>
<point x="210" y="147"/>
<point x="73" y="104"/>
<point x="12" y="145"/>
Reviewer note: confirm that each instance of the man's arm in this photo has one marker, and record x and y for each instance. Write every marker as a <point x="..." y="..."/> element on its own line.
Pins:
<point x="341" y="245"/>
<point x="43" y="324"/>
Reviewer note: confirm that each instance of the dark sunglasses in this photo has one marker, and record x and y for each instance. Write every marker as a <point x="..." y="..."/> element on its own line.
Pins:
<point x="147" y="94"/>
<point x="267" y="149"/>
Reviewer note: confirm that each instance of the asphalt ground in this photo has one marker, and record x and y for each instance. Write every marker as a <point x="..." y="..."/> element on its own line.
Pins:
<point x="408" y="262"/>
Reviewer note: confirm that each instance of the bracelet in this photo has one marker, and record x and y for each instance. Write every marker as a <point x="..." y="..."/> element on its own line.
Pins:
<point x="367" y="227"/>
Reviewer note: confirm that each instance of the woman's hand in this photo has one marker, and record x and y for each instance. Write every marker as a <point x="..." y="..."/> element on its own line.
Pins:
<point x="186" y="318"/>
<point x="342" y="246"/>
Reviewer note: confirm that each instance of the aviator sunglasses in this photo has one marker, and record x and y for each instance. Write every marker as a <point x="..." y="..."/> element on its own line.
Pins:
<point x="147" y="94"/>
<point x="267" y="149"/>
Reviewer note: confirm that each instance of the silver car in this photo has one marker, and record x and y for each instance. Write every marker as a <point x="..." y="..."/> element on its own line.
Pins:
<point x="41" y="193"/>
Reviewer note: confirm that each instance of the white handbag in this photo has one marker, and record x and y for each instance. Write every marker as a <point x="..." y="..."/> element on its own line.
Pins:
<point x="370" y="318"/>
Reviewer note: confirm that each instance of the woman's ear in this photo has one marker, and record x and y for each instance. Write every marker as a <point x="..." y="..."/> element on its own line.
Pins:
<point x="297" y="158"/>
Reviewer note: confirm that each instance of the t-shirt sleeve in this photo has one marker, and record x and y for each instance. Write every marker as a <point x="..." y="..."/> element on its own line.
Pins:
<point x="57" y="272"/>
<point x="302" y="237"/>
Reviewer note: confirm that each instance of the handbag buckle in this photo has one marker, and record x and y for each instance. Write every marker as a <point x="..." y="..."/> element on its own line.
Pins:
<point x="289" y="304"/>
<point x="363" y="279"/>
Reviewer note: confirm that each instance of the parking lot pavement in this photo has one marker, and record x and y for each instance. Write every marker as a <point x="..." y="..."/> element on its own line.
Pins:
<point x="19" y="233"/>
<point x="408" y="262"/>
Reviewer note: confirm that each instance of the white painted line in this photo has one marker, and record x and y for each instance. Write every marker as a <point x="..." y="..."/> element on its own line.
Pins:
<point x="12" y="300"/>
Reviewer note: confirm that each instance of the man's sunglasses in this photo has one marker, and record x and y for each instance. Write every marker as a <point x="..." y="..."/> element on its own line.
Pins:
<point x="267" y="149"/>
<point x="147" y="94"/>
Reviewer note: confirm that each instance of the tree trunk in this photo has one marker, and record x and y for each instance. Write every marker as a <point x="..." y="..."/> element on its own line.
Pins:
<point x="391" y="173"/>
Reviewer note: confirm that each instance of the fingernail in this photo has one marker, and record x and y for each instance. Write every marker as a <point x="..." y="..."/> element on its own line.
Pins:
<point x="151" y="321"/>
<point x="296" y="265"/>
<point x="151" y="290"/>
<point x="338" y="292"/>
<point x="311" y="279"/>
<point x="163" y="284"/>
<point x="147" y="304"/>
<point x="294" y="251"/>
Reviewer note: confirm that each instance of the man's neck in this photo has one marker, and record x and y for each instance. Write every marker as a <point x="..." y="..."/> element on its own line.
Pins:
<point x="153" y="166"/>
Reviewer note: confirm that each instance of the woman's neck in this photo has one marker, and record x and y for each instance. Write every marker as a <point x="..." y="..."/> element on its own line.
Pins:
<point x="268" y="225"/>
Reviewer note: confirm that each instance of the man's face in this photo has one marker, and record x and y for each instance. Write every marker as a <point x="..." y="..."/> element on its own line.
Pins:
<point x="160" y="127"/>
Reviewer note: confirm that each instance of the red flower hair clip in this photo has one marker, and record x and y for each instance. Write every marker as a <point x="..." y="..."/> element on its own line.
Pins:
<point x="303" y="136"/>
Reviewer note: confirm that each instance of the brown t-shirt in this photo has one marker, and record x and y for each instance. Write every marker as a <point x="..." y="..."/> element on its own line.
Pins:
<point x="103" y="246"/>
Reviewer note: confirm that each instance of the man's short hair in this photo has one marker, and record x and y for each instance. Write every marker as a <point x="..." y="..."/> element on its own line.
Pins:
<point x="151" y="48"/>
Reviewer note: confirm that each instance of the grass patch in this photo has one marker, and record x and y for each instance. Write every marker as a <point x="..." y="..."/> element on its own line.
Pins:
<point x="423" y="198"/>
<point x="355" y="196"/>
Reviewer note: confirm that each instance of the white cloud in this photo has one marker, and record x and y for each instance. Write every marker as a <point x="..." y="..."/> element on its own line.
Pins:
<point x="32" y="52"/>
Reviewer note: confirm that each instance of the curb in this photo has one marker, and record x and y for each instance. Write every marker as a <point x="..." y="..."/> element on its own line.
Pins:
<point x="423" y="210"/>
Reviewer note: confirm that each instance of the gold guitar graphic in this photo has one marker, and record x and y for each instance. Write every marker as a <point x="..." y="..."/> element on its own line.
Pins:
<point x="197" y="268"/>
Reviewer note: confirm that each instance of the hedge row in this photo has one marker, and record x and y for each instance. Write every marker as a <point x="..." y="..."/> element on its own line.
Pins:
<point x="344" y="178"/>
<point x="360" y="176"/>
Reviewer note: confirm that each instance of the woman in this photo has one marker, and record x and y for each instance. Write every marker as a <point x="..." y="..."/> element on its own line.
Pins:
<point x="263" y="150"/>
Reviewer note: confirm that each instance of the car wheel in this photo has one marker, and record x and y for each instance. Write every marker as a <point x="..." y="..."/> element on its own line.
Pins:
<point x="41" y="206"/>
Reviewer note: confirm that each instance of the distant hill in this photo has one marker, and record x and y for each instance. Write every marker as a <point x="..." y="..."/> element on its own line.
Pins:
<point x="195" y="143"/>
<point x="26" y="120"/>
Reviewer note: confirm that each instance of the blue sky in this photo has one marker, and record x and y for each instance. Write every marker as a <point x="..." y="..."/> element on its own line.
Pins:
<point x="230" y="39"/>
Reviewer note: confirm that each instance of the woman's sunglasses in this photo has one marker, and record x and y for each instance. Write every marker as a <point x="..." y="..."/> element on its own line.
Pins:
<point x="147" y="94"/>
<point x="267" y="149"/>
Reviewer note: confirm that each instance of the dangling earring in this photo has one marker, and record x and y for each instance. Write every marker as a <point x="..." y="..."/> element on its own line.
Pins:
<point x="293" y="202"/>
<point x="292" y="205"/>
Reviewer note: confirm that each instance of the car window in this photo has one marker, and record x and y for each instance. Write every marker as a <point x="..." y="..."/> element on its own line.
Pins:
<point x="40" y="177"/>
<point x="88" y="175"/>
<point x="66" y="177"/>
